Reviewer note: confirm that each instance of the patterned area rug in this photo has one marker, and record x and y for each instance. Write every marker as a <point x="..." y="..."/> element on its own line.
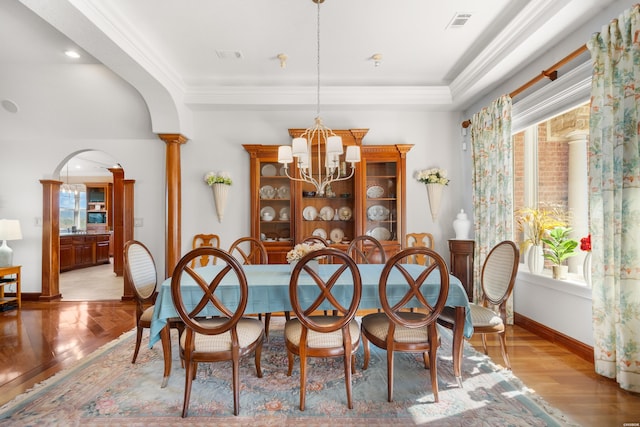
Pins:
<point x="106" y="389"/>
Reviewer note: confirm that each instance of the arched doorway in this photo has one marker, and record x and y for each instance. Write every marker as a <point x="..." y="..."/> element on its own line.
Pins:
<point x="97" y="230"/>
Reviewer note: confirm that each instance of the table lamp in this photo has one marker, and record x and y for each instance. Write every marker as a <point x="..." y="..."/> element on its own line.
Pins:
<point x="9" y="230"/>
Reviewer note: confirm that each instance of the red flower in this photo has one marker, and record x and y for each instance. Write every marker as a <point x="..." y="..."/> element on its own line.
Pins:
<point x="585" y="243"/>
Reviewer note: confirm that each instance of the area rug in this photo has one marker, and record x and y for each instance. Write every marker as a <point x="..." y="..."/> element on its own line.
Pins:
<point x="106" y="389"/>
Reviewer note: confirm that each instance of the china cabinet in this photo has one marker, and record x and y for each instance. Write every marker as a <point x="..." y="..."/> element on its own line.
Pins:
<point x="284" y="212"/>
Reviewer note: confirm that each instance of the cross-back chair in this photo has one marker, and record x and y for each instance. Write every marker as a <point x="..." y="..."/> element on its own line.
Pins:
<point x="248" y="251"/>
<point x="399" y="329"/>
<point x="312" y="334"/>
<point x="489" y="315"/>
<point x="200" y="240"/>
<point x="366" y="250"/>
<point x="225" y="336"/>
<point x="419" y="239"/>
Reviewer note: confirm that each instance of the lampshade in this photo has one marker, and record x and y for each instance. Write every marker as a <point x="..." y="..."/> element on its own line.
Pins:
<point x="284" y="154"/>
<point x="299" y="146"/>
<point x="9" y="230"/>
<point x="353" y="154"/>
<point x="334" y="145"/>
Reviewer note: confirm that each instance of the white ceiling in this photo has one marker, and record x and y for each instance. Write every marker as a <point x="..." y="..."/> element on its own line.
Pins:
<point x="424" y="63"/>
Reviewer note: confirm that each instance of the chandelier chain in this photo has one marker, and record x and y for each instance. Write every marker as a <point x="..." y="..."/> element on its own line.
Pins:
<point x="318" y="62"/>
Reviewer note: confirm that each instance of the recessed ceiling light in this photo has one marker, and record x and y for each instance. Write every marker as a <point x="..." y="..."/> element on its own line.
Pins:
<point x="72" y="54"/>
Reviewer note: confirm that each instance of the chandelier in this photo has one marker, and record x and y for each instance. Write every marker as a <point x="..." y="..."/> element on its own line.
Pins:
<point x="302" y="147"/>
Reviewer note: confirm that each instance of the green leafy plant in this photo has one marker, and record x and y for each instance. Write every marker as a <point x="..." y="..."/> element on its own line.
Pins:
<point x="559" y="246"/>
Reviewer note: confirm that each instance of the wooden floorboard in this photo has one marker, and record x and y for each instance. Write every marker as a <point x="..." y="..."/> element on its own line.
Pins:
<point x="45" y="337"/>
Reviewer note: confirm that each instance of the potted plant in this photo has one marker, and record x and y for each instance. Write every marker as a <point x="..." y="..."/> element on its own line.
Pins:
<point x="559" y="246"/>
<point x="534" y="224"/>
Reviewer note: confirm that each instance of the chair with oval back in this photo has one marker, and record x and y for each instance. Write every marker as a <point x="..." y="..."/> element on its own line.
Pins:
<point x="311" y="334"/>
<point x="399" y="329"/>
<point x="489" y="315"/>
<point x="140" y="273"/>
<point x="200" y="240"/>
<point x="228" y="335"/>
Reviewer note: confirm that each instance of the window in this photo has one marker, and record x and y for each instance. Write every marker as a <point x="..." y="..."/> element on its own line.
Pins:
<point x="551" y="170"/>
<point x="73" y="208"/>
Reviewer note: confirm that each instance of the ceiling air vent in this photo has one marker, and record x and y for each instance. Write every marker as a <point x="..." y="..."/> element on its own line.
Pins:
<point x="229" y="54"/>
<point x="458" y="20"/>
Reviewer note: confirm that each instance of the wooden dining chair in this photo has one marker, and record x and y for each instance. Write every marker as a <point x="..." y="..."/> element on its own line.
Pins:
<point x="224" y="337"/>
<point x="249" y="250"/>
<point x="489" y="315"/>
<point x="366" y="250"/>
<point x="419" y="239"/>
<point x="141" y="276"/>
<point x="399" y="329"/>
<point x="209" y="240"/>
<point x="311" y="334"/>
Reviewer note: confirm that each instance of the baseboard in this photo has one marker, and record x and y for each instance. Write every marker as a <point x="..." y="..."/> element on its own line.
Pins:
<point x="579" y="348"/>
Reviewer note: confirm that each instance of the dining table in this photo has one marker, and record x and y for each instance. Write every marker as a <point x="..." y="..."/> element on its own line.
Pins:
<point x="269" y="293"/>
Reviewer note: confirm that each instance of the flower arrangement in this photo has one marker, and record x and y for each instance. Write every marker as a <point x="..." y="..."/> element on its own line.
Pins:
<point x="217" y="178"/>
<point x="585" y="243"/>
<point x="302" y="249"/>
<point x="536" y="223"/>
<point x="433" y="176"/>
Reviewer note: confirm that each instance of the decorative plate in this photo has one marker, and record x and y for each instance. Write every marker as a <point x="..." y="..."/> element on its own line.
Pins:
<point x="336" y="235"/>
<point x="267" y="192"/>
<point x="282" y="172"/>
<point x="268" y="209"/>
<point x="320" y="232"/>
<point x="268" y="170"/>
<point x="284" y="214"/>
<point x="375" y="192"/>
<point x="283" y="192"/>
<point x="310" y="213"/>
<point x="379" y="233"/>
<point x="377" y="213"/>
<point x="326" y="213"/>
<point x="345" y="213"/>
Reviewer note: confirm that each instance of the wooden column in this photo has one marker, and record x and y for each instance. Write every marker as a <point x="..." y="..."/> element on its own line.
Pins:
<point x="129" y="223"/>
<point x="118" y="220"/>
<point x="50" y="240"/>
<point x="174" y="200"/>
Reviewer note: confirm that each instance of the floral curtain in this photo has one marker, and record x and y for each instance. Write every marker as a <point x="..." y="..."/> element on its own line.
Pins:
<point x="492" y="157"/>
<point x="614" y="198"/>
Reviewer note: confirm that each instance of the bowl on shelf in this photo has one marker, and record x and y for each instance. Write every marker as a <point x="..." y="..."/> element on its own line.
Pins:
<point x="308" y="194"/>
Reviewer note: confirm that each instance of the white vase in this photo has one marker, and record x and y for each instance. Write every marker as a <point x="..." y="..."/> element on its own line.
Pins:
<point x="535" y="259"/>
<point x="461" y="225"/>
<point x="220" y="192"/>
<point x="586" y="269"/>
<point x="434" y="192"/>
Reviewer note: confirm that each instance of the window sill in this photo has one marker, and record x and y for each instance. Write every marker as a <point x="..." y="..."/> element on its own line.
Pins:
<point x="574" y="285"/>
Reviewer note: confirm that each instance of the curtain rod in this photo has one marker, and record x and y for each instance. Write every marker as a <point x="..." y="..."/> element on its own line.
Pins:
<point x="551" y="74"/>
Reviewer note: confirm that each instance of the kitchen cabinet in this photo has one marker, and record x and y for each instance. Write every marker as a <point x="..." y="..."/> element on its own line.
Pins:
<point x="83" y="250"/>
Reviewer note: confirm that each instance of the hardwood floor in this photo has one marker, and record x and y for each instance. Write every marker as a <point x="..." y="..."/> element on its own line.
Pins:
<point x="44" y="338"/>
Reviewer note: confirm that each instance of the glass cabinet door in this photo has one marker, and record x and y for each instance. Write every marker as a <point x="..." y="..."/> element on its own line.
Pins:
<point x="381" y="209"/>
<point x="274" y="194"/>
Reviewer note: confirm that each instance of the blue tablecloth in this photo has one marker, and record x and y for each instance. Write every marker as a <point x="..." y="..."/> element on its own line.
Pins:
<point x="269" y="291"/>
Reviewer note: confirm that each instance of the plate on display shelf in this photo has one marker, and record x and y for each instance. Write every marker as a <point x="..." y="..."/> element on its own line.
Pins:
<point x="326" y="213"/>
<point x="284" y="214"/>
<point x="268" y="170"/>
<point x="345" y="213"/>
<point x="310" y="213"/>
<point x="268" y="210"/>
<point x="377" y="213"/>
<point x="379" y="233"/>
<point x="336" y="235"/>
<point x="375" y="192"/>
<point x="320" y="232"/>
<point x="283" y="192"/>
<point x="267" y="192"/>
<point x="282" y="171"/>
